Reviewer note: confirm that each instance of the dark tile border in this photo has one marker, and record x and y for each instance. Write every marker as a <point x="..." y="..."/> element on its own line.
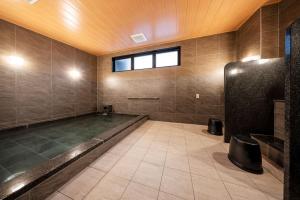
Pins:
<point x="43" y="180"/>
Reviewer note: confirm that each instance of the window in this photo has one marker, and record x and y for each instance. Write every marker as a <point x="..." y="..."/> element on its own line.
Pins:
<point x="145" y="60"/>
<point x="167" y="59"/>
<point x="122" y="64"/>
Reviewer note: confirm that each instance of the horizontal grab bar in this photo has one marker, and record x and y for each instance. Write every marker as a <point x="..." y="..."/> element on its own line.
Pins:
<point x="143" y="98"/>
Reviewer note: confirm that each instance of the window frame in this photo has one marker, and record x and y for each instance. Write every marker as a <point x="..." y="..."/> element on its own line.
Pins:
<point x="153" y="53"/>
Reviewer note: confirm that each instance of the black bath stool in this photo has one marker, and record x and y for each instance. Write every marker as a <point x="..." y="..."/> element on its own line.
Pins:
<point x="215" y="126"/>
<point x="245" y="153"/>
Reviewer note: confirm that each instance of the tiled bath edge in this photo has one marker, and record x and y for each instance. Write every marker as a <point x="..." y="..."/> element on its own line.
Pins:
<point x="51" y="183"/>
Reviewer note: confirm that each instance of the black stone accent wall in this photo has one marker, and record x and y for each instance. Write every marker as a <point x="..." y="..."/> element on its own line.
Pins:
<point x="250" y="89"/>
<point x="292" y="118"/>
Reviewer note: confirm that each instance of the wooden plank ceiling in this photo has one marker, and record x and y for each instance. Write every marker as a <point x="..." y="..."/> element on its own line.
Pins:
<point x="104" y="26"/>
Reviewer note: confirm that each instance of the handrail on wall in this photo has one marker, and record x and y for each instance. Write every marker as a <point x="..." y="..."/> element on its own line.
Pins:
<point x="143" y="98"/>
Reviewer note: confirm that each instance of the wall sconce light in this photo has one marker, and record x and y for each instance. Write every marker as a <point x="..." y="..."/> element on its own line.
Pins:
<point x="251" y="58"/>
<point x="74" y="73"/>
<point x="15" y="61"/>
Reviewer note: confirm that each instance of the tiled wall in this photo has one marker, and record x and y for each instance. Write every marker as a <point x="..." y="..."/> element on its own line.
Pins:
<point x="264" y="32"/>
<point x="258" y="36"/>
<point x="270" y="31"/>
<point x="201" y="71"/>
<point x="289" y="11"/>
<point x="41" y="89"/>
<point x="248" y="37"/>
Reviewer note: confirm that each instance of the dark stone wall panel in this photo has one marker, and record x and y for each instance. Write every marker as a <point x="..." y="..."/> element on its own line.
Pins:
<point x="289" y="11"/>
<point x="250" y="89"/>
<point x="292" y="117"/>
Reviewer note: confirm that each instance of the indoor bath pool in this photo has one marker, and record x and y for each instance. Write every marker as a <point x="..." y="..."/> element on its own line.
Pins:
<point x="25" y="150"/>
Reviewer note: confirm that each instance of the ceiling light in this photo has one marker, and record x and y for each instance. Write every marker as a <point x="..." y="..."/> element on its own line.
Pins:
<point x="74" y="73"/>
<point x="251" y="58"/>
<point x="138" y="38"/>
<point x="32" y="1"/>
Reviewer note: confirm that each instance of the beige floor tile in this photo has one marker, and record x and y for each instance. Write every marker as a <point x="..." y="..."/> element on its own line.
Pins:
<point x="58" y="196"/>
<point x="141" y="156"/>
<point x="106" y="162"/>
<point x="125" y="167"/>
<point x="178" y="183"/>
<point x="207" y="188"/>
<point x="177" y="140"/>
<point x="143" y="143"/>
<point x="238" y="192"/>
<point x="109" y="188"/>
<point x="236" y="177"/>
<point x="149" y="175"/>
<point x="268" y="184"/>
<point x="166" y="196"/>
<point x="230" y="173"/>
<point x="274" y="197"/>
<point x="176" y="161"/>
<point x="177" y="149"/>
<point x="158" y="146"/>
<point x="156" y="157"/>
<point x="163" y="137"/>
<point x="203" y="167"/>
<point x="137" y="153"/>
<point x="195" y="147"/>
<point x="137" y="191"/>
<point x="120" y="149"/>
<point x="80" y="185"/>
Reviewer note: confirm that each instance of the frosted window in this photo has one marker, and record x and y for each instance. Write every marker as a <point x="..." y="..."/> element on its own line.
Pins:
<point x="167" y="59"/>
<point x="143" y="62"/>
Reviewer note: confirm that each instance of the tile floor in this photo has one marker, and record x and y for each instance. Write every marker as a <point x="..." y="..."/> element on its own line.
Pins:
<point x="168" y="161"/>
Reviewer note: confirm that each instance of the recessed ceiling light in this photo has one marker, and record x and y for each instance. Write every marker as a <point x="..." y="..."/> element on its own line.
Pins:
<point x="32" y="1"/>
<point x="138" y="38"/>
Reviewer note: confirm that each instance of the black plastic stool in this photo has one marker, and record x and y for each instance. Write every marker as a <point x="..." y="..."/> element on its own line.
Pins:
<point x="245" y="153"/>
<point x="215" y="126"/>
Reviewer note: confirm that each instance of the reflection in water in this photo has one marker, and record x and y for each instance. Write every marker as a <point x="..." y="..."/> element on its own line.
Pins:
<point x="17" y="187"/>
<point x="13" y="176"/>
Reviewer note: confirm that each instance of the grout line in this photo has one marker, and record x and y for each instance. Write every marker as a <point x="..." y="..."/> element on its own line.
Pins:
<point x="16" y="77"/>
<point x="164" y="166"/>
<point x="260" y="32"/>
<point x="64" y="194"/>
<point x="190" y="171"/>
<point x="131" y="180"/>
<point x="106" y="173"/>
<point x="51" y="82"/>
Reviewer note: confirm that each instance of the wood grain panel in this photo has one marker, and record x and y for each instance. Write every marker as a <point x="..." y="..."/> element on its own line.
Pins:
<point x="102" y="27"/>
